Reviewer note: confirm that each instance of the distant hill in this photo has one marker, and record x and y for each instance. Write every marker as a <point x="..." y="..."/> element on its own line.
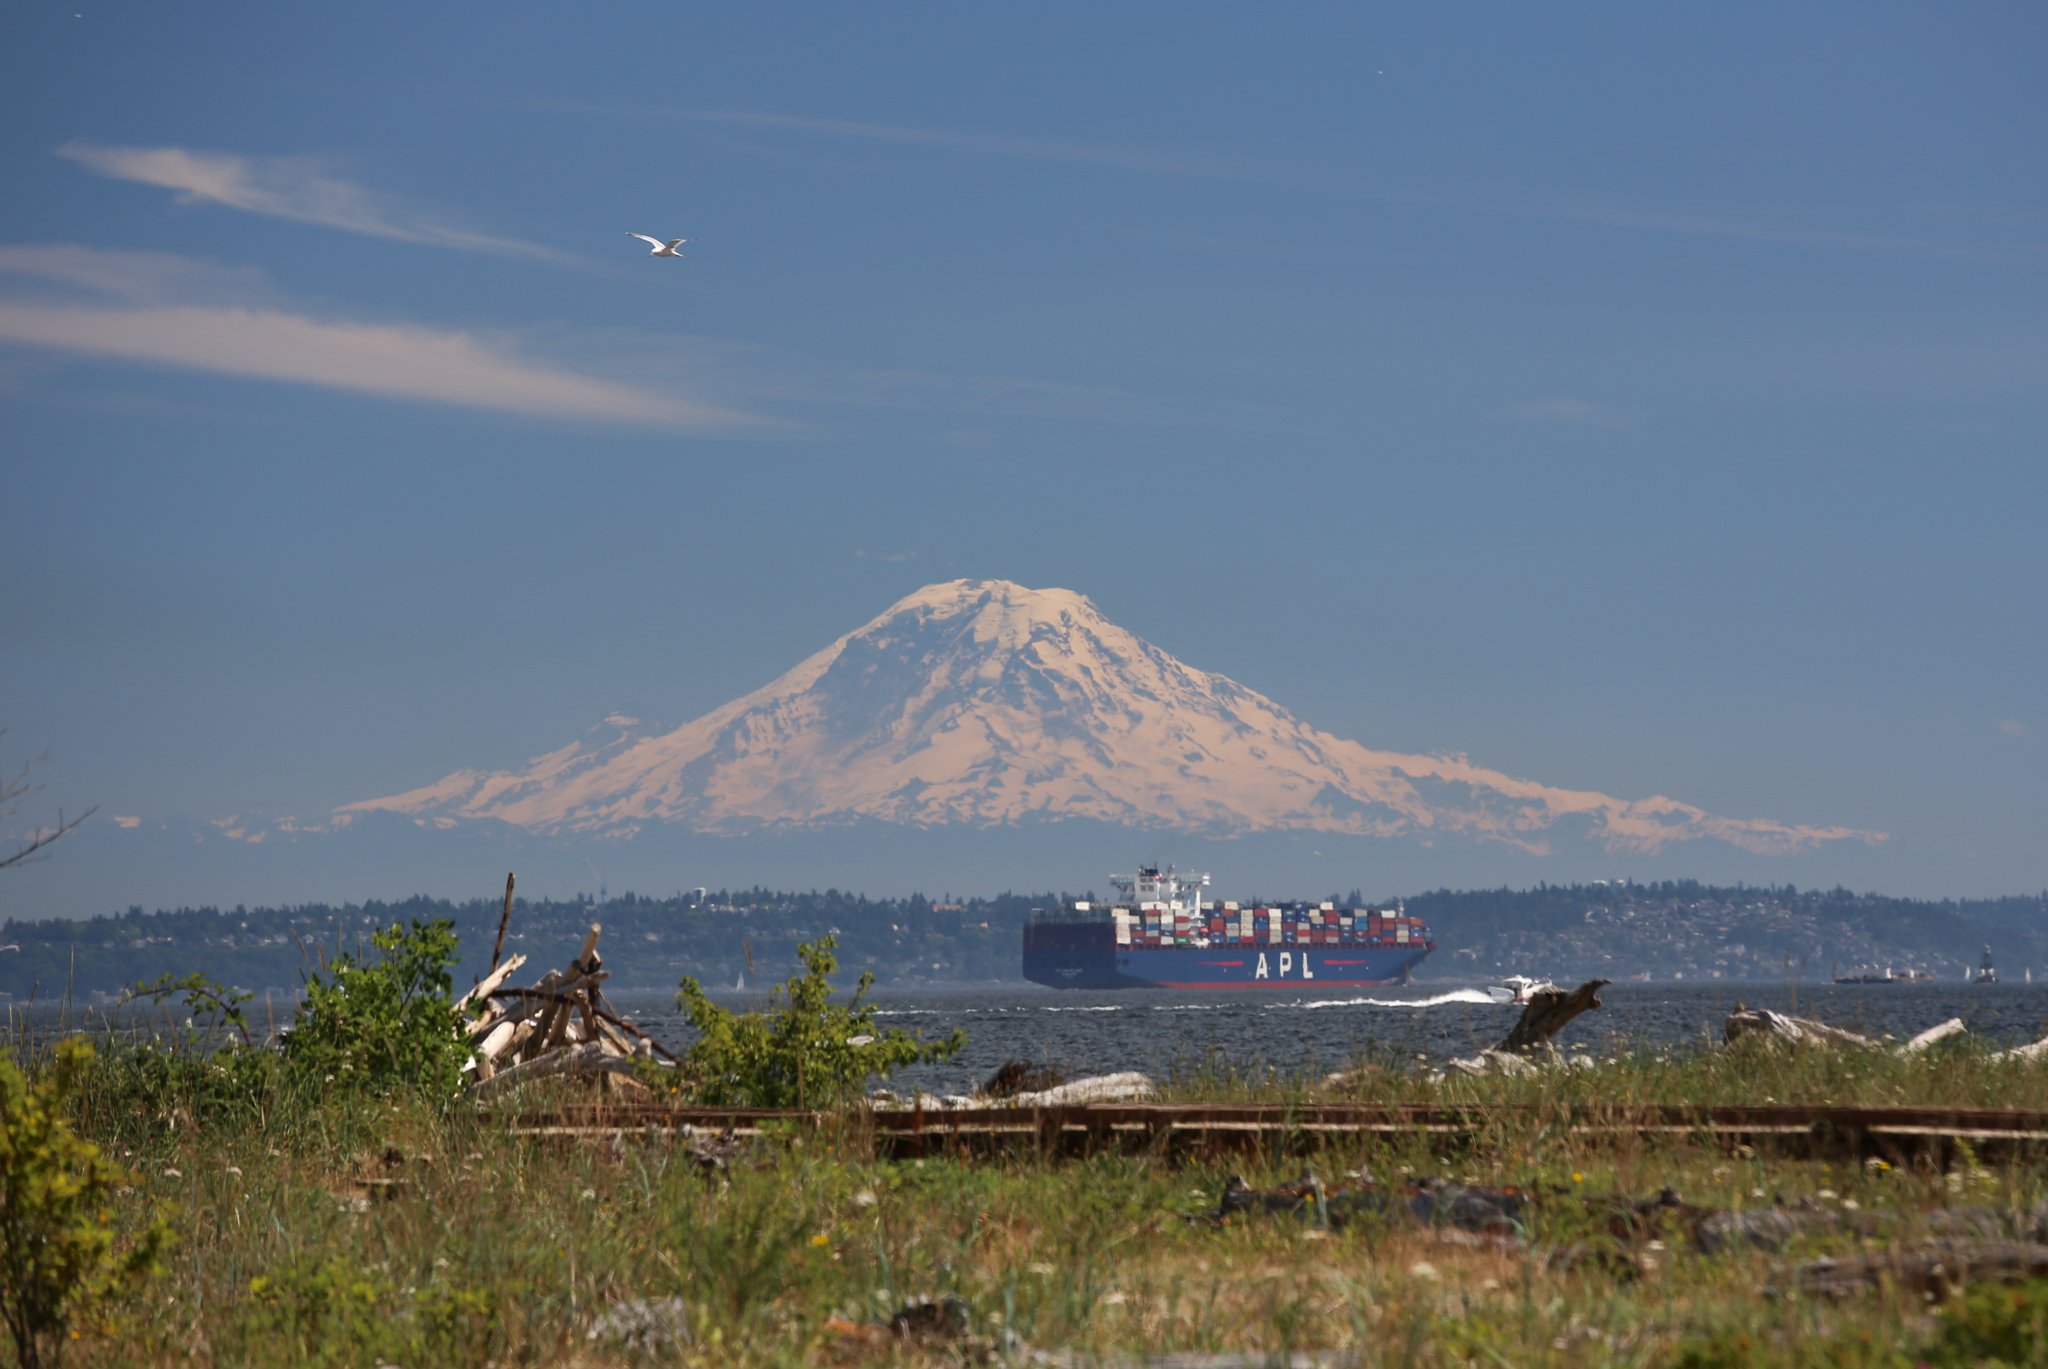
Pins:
<point x="1667" y="930"/>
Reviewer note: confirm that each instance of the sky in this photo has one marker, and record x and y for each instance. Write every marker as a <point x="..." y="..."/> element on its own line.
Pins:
<point x="1639" y="398"/>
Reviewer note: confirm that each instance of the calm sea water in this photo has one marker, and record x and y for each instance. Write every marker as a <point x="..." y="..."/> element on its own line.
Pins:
<point x="1303" y="1033"/>
<point x="1160" y="1030"/>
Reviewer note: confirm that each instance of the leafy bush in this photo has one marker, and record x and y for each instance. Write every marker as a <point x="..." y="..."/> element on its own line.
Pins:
<point x="59" y="1255"/>
<point x="1993" y="1326"/>
<point x="383" y="1025"/>
<point x="805" y="1052"/>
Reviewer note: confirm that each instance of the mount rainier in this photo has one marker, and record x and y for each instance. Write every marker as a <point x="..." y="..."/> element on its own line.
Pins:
<point x="984" y="704"/>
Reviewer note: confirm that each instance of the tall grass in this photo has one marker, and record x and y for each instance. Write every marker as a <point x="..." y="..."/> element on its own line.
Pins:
<point x="322" y="1228"/>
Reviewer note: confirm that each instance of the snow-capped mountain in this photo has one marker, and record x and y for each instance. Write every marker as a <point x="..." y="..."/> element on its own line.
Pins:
<point x="984" y="703"/>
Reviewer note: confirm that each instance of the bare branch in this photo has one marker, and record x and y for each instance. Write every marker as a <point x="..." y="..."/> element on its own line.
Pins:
<point x="16" y="788"/>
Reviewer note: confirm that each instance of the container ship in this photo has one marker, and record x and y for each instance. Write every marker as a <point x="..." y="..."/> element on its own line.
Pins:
<point x="1159" y="933"/>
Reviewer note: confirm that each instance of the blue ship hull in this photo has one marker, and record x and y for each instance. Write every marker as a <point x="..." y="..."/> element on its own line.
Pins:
<point x="1219" y="967"/>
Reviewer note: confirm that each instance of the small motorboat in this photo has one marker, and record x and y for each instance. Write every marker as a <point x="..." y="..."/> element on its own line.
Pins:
<point x="1519" y="988"/>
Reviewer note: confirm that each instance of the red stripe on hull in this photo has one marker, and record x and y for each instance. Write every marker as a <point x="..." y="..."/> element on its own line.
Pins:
<point x="1317" y="983"/>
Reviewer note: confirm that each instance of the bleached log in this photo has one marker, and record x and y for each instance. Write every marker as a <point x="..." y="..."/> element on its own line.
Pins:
<point x="1792" y="1030"/>
<point x="616" y="1039"/>
<point x="483" y="988"/>
<point x="1102" y="1088"/>
<point x="493" y="1046"/>
<point x="1952" y="1027"/>
<point x="1494" y="1062"/>
<point x="587" y="961"/>
<point x="2038" y="1050"/>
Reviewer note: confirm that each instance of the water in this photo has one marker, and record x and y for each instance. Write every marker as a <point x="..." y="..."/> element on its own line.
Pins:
<point x="1311" y="1034"/>
<point x="1300" y="1033"/>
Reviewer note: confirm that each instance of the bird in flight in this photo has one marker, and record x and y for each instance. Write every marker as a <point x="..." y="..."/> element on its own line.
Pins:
<point x="661" y="249"/>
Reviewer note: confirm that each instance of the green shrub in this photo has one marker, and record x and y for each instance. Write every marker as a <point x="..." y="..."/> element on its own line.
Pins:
<point x="383" y="1025"/>
<point x="332" y="1311"/>
<point x="802" y="1052"/>
<point x="59" y="1255"/>
<point x="1996" y="1325"/>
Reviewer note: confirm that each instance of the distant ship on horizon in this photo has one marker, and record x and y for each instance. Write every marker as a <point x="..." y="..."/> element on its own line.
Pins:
<point x="1160" y="934"/>
<point x="1871" y="974"/>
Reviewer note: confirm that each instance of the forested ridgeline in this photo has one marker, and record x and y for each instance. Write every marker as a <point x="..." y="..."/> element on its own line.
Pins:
<point x="1675" y="927"/>
<point x="649" y="942"/>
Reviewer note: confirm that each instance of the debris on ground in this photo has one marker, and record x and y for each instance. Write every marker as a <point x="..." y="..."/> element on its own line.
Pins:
<point x="1497" y="1213"/>
<point x="559" y="1025"/>
<point x="1761" y="1228"/>
<point x="942" y="1323"/>
<point x="645" y="1326"/>
<point x="1932" y="1269"/>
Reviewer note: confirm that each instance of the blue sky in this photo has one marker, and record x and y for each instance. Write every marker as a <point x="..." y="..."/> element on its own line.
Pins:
<point x="1634" y="398"/>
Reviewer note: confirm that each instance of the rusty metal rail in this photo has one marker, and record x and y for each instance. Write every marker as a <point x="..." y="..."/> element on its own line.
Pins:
<point x="1900" y="1134"/>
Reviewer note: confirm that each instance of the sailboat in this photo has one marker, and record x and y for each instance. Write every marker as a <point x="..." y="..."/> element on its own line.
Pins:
<point x="739" y="984"/>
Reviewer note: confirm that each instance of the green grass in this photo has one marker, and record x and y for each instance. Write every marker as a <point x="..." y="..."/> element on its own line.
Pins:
<point x="490" y="1249"/>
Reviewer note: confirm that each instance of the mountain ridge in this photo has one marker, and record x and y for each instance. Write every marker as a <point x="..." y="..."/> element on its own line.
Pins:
<point x="987" y="703"/>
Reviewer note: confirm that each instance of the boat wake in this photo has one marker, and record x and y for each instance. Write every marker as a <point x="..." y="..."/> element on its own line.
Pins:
<point x="1440" y="1000"/>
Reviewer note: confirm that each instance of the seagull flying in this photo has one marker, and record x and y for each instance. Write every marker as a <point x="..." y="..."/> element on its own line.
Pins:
<point x="661" y="249"/>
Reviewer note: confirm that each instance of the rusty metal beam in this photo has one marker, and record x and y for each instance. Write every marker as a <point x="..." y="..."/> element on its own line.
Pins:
<point x="1892" y="1132"/>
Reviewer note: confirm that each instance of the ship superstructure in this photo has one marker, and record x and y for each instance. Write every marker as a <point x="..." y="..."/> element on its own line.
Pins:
<point x="1160" y="932"/>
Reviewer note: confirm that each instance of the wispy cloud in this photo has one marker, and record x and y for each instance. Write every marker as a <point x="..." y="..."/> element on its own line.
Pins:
<point x="301" y="189"/>
<point x="2013" y="727"/>
<point x="1575" y="413"/>
<point x="133" y="275"/>
<point x="1794" y="229"/>
<point x="986" y="144"/>
<point x="162" y="310"/>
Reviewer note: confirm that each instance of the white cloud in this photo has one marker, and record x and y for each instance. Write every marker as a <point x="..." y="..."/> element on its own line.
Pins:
<point x="2013" y="727"/>
<point x="1027" y="149"/>
<point x="132" y="275"/>
<point x="1571" y="412"/>
<point x="158" y="309"/>
<point x="294" y="188"/>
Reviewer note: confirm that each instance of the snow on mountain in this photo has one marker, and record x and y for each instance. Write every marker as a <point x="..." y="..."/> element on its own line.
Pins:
<point x="984" y="703"/>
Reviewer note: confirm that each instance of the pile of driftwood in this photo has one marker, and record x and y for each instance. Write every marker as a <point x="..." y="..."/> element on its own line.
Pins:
<point x="560" y="1024"/>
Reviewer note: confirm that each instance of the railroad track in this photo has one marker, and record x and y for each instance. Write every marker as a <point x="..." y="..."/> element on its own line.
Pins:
<point x="1896" y="1134"/>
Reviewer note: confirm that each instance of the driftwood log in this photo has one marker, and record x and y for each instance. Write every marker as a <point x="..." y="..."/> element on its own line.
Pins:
<point x="1952" y="1027"/>
<point x="2031" y="1052"/>
<point x="1550" y="1012"/>
<point x="1804" y="1031"/>
<point x="1798" y="1031"/>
